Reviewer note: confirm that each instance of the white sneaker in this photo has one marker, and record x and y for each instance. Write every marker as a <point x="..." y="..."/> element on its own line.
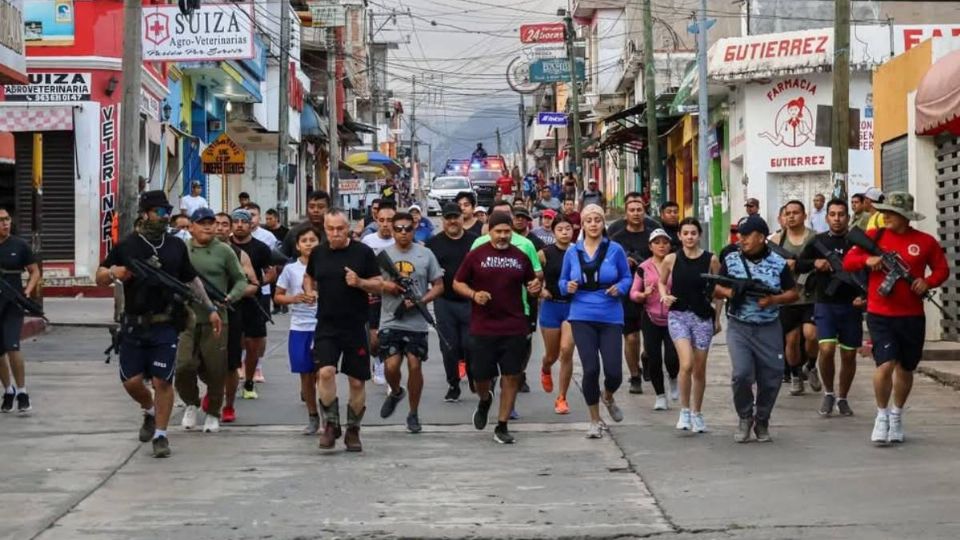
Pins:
<point x="881" y="430"/>
<point x="684" y="422"/>
<point x="189" y="417"/>
<point x="378" y="377"/>
<point x="895" y="435"/>
<point x="699" y="426"/>
<point x="595" y="431"/>
<point x="211" y="424"/>
<point x="674" y="390"/>
<point x="661" y="403"/>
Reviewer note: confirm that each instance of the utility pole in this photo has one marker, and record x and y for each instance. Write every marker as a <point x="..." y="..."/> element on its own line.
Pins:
<point x="523" y="136"/>
<point x="498" y="142"/>
<point x="129" y="189"/>
<point x="413" y="130"/>
<point x="650" y="92"/>
<point x="332" y="110"/>
<point x="575" y="96"/>
<point x="374" y="83"/>
<point x="703" y="118"/>
<point x="283" y="140"/>
<point x="840" y="132"/>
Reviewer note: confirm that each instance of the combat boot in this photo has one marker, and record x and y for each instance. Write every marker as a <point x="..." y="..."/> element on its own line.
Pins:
<point x="352" y="437"/>
<point x="331" y="424"/>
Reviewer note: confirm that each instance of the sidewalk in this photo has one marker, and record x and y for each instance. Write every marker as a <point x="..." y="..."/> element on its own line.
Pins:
<point x="89" y="312"/>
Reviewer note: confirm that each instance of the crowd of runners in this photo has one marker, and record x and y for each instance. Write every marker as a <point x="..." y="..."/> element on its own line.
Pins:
<point x="362" y="301"/>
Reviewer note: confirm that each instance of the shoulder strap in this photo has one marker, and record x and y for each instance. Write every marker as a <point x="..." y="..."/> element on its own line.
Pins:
<point x="746" y="267"/>
<point x="880" y="231"/>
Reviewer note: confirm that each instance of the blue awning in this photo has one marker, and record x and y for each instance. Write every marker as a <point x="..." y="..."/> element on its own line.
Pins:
<point x="312" y="124"/>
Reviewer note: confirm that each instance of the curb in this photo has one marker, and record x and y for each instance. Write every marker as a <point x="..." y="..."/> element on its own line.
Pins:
<point x="83" y="324"/>
<point x="947" y="379"/>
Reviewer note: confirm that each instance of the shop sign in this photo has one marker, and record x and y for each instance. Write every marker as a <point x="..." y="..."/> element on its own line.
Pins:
<point x="789" y="132"/>
<point x="770" y="53"/>
<point x="911" y="36"/>
<point x="327" y="14"/>
<point x="224" y="156"/>
<point x="552" y="118"/>
<point x="109" y="159"/>
<point x="42" y="87"/>
<point x="543" y="33"/>
<point x="13" y="64"/>
<point x="554" y="70"/>
<point x="351" y="186"/>
<point x="213" y="32"/>
<point x="48" y="22"/>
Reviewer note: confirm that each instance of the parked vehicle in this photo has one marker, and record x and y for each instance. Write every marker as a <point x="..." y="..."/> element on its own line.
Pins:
<point x="445" y="189"/>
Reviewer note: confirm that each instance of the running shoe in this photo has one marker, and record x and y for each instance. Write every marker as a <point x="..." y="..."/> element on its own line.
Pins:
<point x="615" y="413"/>
<point x="826" y="406"/>
<point x="390" y="403"/>
<point x="636" y="385"/>
<point x="211" y="424"/>
<point x="684" y="422"/>
<point x="594" y="431"/>
<point x="249" y="394"/>
<point x="462" y="369"/>
<point x="661" y="403"/>
<point x="228" y="415"/>
<point x="895" y="434"/>
<point x="546" y="381"/>
<point x="205" y="403"/>
<point x="699" y="426"/>
<point x="148" y="427"/>
<point x="7" y="402"/>
<point x="796" y="386"/>
<point x="761" y="428"/>
<point x="413" y="423"/>
<point x="483" y="410"/>
<point x="502" y="435"/>
<point x="258" y="375"/>
<point x="881" y="430"/>
<point x="189" y="420"/>
<point x="378" y="377"/>
<point x="313" y="425"/>
<point x="453" y="394"/>
<point x="23" y="403"/>
<point x="514" y="415"/>
<point x="813" y="377"/>
<point x="844" y="408"/>
<point x="560" y="406"/>
<point x="674" y="390"/>
<point x="161" y="447"/>
<point x="743" y="430"/>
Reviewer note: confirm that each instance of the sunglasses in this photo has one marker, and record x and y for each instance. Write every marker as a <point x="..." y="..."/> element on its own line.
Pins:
<point x="403" y="228"/>
<point x="162" y="211"/>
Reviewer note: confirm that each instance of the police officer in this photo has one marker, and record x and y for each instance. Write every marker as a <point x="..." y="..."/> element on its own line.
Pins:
<point x="152" y="316"/>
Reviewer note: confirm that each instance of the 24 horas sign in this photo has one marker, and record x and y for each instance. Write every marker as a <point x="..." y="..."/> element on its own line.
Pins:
<point x="213" y="32"/>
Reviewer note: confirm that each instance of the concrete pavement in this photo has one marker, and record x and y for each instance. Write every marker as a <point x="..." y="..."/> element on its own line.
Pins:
<point x="74" y="468"/>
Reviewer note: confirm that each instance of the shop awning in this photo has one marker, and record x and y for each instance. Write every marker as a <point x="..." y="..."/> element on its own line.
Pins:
<point x="938" y="98"/>
<point x="636" y="110"/>
<point x="22" y="117"/>
<point x="7" y="157"/>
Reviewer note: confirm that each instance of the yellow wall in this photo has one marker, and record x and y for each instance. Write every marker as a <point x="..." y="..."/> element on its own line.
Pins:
<point x="892" y="82"/>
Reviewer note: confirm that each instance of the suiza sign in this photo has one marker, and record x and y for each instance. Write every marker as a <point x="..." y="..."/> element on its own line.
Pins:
<point x="213" y="32"/>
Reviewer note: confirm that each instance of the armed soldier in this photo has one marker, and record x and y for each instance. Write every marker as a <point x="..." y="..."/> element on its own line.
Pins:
<point x="153" y="267"/>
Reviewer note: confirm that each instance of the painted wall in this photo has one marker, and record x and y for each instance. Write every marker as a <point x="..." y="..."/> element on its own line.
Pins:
<point x="611" y="38"/>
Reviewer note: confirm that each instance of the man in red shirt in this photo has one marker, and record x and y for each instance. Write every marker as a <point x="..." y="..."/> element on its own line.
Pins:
<point x="896" y="321"/>
<point x="505" y="187"/>
<point x="493" y="277"/>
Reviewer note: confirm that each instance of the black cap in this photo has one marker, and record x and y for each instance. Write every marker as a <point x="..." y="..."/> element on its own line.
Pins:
<point x="753" y="223"/>
<point x="451" y="209"/>
<point x="522" y="212"/>
<point x="154" y="199"/>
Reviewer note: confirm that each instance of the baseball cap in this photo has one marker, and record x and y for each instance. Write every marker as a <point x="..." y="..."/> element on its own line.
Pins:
<point x="751" y="224"/>
<point x="201" y="214"/>
<point x="521" y="212"/>
<point x="592" y="181"/>
<point x="414" y="207"/>
<point x="658" y="233"/>
<point x="241" y="215"/>
<point x="752" y="202"/>
<point x="873" y="194"/>
<point x="452" y="210"/>
<point x="549" y="213"/>
<point x="154" y="199"/>
<point x="480" y="210"/>
<point x="195" y="183"/>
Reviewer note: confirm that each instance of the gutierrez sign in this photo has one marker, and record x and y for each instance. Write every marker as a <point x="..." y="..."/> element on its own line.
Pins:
<point x="213" y="32"/>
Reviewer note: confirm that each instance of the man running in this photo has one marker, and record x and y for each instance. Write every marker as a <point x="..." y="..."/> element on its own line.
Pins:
<point x="635" y="240"/>
<point x="467" y="202"/>
<point x="339" y="275"/>
<point x="381" y="239"/>
<point x="152" y="316"/>
<point x="317" y="204"/>
<point x="403" y="330"/>
<point x="670" y="222"/>
<point x="838" y="310"/>
<point x="621" y="223"/>
<point x="15" y="257"/>
<point x="896" y="321"/>
<point x="452" y="311"/>
<point x="573" y="216"/>
<point x="202" y="352"/>
<point x="545" y="231"/>
<point x="493" y="276"/>
<point x="269" y="239"/>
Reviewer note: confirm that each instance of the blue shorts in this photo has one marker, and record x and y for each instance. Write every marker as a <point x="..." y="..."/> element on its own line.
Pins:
<point x="897" y="339"/>
<point x="839" y="323"/>
<point x="300" y="351"/>
<point x="149" y="351"/>
<point x="553" y="314"/>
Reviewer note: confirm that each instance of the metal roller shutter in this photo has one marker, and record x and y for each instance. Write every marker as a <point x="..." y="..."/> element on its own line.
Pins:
<point x="948" y="229"/>
<point x="58" y="235"/>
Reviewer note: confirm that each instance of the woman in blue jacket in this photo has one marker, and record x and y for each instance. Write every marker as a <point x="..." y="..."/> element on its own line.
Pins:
<point x="596" y="273"/>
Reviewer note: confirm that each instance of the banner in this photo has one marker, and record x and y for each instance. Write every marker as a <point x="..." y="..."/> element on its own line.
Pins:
<point x="213" y="32"/>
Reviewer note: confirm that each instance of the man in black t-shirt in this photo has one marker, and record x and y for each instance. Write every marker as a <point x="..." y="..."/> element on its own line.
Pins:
<point x="338" y="278"/>
<point x="635" y="239"/>
<point x="254" y="321"/>
<point x="151" y="317"/>
<point x="15" y="257"/>
<point x="450" y="247"/>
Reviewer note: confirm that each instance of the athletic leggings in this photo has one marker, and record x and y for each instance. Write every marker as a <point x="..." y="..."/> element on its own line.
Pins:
<point x="659" y="351"/>
<point x="595" y="341"/>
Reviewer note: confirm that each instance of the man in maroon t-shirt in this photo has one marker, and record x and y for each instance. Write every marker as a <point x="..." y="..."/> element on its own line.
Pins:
<point x="493" y="277"/>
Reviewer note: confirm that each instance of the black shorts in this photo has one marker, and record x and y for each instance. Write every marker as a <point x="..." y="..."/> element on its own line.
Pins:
<point x="631" y="326"/>
<point x="373" y="315"/>
<point x="794" y="316"/>
<point x="235" y="338"/>
<point x="402" y="343"/>
<point x="254" y="323"/>
<point x="149" y="351"/>
<point x="497" y="354"/>
<point x="351" y="343"/>
<point x="897" y="339"/>
<point x="11" y="327"/>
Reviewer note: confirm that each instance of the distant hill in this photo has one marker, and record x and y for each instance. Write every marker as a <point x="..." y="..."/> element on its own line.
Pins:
<point x="481" y="126"/>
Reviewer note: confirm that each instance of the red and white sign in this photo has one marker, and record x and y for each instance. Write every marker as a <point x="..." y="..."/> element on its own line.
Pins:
<point x="786" y="113"/>
<point x="542" y="33"/>
<point x="213" y="32"/>
<point x="909" y="37"/>
<point x="770" y="54"/>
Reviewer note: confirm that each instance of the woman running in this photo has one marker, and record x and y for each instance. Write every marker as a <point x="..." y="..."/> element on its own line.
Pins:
<point x="554" y="310"/>
<point x="692" y="320"/>
<point x="657" y="344"/>
<point x="596" y="273"/>
<point x="303" y="322"/>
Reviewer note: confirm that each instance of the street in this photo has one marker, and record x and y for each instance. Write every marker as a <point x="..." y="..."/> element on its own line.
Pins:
<point x="74" y="468"/>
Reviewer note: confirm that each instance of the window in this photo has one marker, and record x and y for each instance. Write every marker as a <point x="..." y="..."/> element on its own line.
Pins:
<point x="893" y="165"/>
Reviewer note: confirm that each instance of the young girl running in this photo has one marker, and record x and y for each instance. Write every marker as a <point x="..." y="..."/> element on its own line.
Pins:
<point x="692" y="320"/>
<point x="303" y="322"/>
<point x="554" y="310"/>
<point x="657" y="344"/>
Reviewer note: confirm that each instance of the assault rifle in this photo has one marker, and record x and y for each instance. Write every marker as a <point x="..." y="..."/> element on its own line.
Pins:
<point x="778" y="249"/>
<point x="15" y="295"/>
<point x="839" y="275"/>
<point x="741" y="287"/>
<point x="216" y="295"/>
<point x="409" y="293"/>
<point x="150" y="270"/>
<point x="893" y="265"/>
<point x="114" y="348"/>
